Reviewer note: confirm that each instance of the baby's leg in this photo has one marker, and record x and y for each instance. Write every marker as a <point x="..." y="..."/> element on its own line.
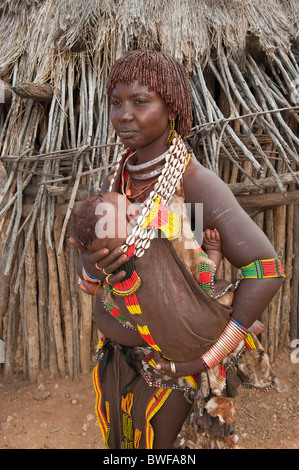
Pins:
<point x="212" y="245"/>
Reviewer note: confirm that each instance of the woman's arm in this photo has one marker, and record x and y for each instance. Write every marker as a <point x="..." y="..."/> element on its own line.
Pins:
<point x="111" y="328"/>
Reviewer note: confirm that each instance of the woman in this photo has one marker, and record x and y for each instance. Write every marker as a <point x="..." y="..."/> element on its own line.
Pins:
<point x="151" y="102"/>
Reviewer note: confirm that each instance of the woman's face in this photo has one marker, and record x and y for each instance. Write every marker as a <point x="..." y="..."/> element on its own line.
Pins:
<point x="140" y="117"/>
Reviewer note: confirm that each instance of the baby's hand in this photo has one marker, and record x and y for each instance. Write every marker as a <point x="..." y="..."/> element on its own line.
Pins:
<point x="211" y="240"/>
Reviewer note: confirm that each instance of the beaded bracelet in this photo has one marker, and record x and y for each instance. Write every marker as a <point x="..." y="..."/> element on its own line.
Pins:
<point x="230" y="337"/>
<point x="92" y="277"/>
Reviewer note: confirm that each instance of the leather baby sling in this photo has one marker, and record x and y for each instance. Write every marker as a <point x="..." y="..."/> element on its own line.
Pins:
<point x="177" y="317"/>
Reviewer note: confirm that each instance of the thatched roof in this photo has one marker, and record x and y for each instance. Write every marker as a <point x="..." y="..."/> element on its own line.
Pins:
<point x="67" y="47"/>
<point x="190" y="30"/>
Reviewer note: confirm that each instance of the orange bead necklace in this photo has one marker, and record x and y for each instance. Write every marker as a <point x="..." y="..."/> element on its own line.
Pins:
<point x="128" y="192"/>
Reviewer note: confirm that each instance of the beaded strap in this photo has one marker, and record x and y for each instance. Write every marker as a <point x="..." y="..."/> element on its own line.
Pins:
<point x="228" y="340"/>
<point x="262" y="269"/>
<point x="132" y="281"/>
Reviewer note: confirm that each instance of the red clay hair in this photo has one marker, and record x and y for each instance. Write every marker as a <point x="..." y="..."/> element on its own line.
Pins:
<point x="160" y="73"/>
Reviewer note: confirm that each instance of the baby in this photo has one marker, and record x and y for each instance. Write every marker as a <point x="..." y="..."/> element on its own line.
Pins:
<point x="106" y="220"/>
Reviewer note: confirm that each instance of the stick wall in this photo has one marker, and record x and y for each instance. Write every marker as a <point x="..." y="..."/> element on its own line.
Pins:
<point x="56" y="152"/>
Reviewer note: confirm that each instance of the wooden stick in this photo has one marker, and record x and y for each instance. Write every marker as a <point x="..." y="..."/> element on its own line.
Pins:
<point x="55" y="314"/>
<point x="30" y="312"/>
<point x="43" y="301"/>
<point x="70" y="205"/>
<point x="5" y="277"/>
<point x="286" y="288"/>
<point x="66" y="307"/>
<point x="269" y="199"/>
<point x="280" y="237"/>
<point x="73" y="256"/>
<point x="263" y="183"/>
<point x="35" y="91"/>
<point x="271" y="310"/>
<point x="72" y="124"/>
<point x="254" y="200"/>
<point x="86" y="307"/>
<point x="12" y="328"/>
<point x="294" y="314"/>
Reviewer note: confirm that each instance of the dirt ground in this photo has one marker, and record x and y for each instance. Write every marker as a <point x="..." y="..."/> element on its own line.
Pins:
<point x="57" y="413"/>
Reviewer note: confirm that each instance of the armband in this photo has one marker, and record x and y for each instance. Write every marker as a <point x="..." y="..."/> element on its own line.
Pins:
<point x="229" y="339"/>
<point x="263" y="269"/>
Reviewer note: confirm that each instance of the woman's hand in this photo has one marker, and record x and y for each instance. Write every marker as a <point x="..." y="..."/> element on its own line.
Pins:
<point x="178" y="369"/>
<point x="97" y="261"/>
<point x="92" y="288"/>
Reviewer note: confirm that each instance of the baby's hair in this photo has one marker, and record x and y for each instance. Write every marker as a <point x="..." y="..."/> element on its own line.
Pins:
<point x="86" y="219"/>
<point x="160" y="73"/>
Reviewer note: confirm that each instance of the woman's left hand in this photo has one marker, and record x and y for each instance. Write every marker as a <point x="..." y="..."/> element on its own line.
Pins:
<point x="178" y="369"/>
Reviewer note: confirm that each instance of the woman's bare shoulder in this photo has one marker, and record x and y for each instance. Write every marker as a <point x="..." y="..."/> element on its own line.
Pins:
<point x="200" y="182"/>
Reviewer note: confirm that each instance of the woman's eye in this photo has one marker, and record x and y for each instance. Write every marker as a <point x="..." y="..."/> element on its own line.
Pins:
<point x="115" y="103"/>
<point x="140" y="101"/>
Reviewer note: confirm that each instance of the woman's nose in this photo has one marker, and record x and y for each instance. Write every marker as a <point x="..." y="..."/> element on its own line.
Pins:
<point x="125" y="113"/>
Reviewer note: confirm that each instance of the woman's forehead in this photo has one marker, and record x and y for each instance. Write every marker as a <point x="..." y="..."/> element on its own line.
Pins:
<point x="133" y="89"/>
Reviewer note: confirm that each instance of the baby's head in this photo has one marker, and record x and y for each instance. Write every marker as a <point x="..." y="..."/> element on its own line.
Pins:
<point x="103" y="221"/>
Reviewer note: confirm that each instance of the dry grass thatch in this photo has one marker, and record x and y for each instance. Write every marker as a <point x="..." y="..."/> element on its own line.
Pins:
<point x="57" y="146"/>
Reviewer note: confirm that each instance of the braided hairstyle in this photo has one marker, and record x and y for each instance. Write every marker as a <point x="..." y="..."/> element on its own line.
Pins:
<point x="160" y="73"/>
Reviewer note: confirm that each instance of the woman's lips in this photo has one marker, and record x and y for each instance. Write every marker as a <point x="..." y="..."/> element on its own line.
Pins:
<point x="126" y="133"/>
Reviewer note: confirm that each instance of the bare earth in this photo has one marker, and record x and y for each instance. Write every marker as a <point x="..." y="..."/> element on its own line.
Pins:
<point x="57" y="413"/>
